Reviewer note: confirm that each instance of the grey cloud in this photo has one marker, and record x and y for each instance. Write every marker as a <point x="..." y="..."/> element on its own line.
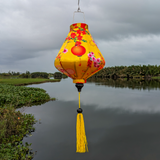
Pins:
<point x="30" y="29"/>
<point x="124" y="18"/>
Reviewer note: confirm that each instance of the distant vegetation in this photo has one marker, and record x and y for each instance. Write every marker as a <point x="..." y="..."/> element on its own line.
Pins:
<point x="26" y="81"/>
<point x="129" y="72"/>
<point x="10" y="74"/>
<point x="59" y="75"/>
<point x="150" y="71"/>
<point x="34" y="75"/>
<point x="26" y="75"/>
<point x="56" y="75"/>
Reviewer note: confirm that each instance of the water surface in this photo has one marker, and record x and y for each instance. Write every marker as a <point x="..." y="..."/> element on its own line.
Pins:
<point x="121" y="123"/>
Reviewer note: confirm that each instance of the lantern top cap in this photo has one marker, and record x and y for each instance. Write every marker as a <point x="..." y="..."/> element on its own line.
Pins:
<point x="78" y="25"/>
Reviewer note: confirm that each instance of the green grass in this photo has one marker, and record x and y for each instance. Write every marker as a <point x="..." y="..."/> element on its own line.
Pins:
<point x="15" y="125"/>
<point x="25" y="81"/>
<point x="156" y="77"/>
<point x="18" y="96"/>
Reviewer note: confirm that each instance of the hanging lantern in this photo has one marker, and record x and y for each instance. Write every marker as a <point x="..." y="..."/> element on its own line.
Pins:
<point x="79" y="58"/>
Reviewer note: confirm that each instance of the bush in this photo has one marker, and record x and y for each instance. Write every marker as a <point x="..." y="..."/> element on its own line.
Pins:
<point x="39" y="75"/>
<point x="13" y="127"/>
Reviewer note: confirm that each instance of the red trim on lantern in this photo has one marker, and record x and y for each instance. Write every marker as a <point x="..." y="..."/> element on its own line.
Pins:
<point x="83" y="25"/>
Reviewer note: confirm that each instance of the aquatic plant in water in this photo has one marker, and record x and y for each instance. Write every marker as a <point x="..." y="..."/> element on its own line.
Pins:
<point x="13" y="127"/>
<point x="19" y="96"/>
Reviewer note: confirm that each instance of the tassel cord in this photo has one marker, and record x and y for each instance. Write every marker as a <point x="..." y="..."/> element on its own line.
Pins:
<point x="82" y="145"/>
<point x="79" y="100"/>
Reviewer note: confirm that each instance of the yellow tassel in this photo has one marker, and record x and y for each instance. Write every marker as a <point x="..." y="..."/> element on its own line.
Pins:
<point x="82" y="145"/>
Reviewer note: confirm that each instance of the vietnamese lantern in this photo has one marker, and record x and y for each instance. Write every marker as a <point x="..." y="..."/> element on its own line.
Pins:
<point x="79" y="58"/>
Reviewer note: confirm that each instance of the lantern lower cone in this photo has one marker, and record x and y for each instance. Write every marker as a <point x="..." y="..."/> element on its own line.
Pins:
<point x="79" y="57"/>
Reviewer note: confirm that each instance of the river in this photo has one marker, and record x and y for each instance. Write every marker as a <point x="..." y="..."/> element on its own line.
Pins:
<point x="122" y="122"/>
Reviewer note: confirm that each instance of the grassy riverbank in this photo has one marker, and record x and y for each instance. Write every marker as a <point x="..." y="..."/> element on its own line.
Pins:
<point x="26" y="81"/>
<point x="19" y="96"/>
<point x="156" y="77"/>
<point x="15" y="125"/>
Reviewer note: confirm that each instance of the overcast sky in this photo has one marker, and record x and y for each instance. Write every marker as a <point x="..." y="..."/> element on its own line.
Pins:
<point x="127" y="32"/>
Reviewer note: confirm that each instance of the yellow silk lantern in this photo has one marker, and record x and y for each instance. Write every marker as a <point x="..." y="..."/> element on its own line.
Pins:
<point x="79" y="57"/>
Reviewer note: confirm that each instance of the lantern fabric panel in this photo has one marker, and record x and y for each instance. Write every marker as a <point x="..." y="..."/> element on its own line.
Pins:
<point x="79" y="57"/>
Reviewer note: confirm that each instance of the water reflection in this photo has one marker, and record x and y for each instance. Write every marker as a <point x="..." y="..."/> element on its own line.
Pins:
<point x="121" y="123"/>
<point x="104" y="96"/>
<point x="131" y="83"/>
<point x="111" y="134"/>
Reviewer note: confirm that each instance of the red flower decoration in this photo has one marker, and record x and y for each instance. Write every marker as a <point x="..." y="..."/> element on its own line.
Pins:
<point x="83" y="25"/>
<point x="73" y="35"/>
<point x="89" y="63"/>
<point x="79" y="31"/>
<point x="79" y="38"/>
<point x="78" y="43"/>
<point x="68" y="38"/>
<point x="83" y="32"/>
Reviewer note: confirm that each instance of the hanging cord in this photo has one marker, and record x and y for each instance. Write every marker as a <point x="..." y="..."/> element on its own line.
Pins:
<point x="78" y="11"/>
<point x="81" y="139"/>
<point x="79" y="99"/>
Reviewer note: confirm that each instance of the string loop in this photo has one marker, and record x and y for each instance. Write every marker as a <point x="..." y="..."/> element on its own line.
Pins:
<point x="78" y="11"/>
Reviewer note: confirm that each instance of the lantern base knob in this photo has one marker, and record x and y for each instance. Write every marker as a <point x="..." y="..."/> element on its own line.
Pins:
<point x="79" y="86"/>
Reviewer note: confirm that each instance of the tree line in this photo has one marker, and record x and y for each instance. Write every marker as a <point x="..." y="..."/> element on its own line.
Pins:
<point x="107" y="72"/>
<point x="56" y="75"/>
<point x="130" y="71"/>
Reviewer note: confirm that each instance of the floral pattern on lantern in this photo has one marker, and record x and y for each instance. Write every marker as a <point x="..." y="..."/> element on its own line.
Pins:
<point x="79" y="57"/>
